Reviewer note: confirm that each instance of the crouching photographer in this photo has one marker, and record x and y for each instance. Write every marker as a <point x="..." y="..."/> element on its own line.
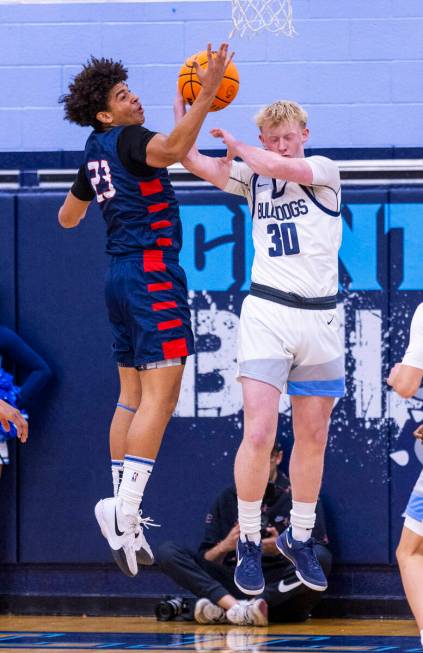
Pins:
<point x="208" y="573"/>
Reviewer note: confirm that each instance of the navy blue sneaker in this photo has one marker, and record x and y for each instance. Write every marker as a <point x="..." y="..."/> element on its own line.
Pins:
<point x="248" y="573"/>
<point x="303" y="557"/>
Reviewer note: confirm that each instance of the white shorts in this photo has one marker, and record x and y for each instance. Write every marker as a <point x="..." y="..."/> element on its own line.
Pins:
<point x="414" y="509"/>
<point x="293" y="347"/>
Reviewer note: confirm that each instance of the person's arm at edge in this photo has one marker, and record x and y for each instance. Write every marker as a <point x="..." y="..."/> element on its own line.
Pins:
<point x="405" y="379"/>
<point x="164" y="150"/>
<point x="8" y="414"/>
<point x="266" y="163"/>
<point x="37" y="372"/>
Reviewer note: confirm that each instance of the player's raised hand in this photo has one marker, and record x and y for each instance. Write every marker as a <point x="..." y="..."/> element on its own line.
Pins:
<point x="217" y="62"/>
<point x="228" y="139"/>
<point x="11" y="414"/>
<point x="418" y="433"/>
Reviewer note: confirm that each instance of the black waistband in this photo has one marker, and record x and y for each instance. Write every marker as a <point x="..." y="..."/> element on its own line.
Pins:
<point x="292" y="299"/>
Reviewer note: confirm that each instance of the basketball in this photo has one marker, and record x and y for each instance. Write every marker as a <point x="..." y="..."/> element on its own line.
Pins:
<point x="189" y="84"/>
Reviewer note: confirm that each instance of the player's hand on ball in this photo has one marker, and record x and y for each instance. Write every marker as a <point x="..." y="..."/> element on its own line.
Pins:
<point x="211" y="76"/>
<point x="418" y="433"/>
<point x="11" y="414"/>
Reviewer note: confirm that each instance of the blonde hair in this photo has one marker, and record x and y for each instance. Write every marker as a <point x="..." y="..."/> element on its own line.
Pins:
<point x="281" y="111"/>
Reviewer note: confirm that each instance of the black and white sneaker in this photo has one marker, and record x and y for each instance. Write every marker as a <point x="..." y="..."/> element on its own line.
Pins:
<point x="143" y="551"/>
<point x="122" y="532"/>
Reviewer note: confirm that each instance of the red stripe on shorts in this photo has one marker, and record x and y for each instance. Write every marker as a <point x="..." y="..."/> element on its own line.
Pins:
<point x="162" y="306"/>
<point x="153" y="261"/>
<point x="154" y="208"/>
<point x="150" y="187"/>
<point x="169" y="324"/>
<point x="155" y="287"/>
<point x="164" y="242"/>
<point x="175" y="348"/>
<point x="160" y="224"/>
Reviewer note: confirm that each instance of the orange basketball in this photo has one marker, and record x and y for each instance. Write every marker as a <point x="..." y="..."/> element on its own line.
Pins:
<point x="190" y="85"/>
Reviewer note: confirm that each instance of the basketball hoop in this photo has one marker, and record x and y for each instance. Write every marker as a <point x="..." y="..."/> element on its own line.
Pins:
<point x="251" y="16"/>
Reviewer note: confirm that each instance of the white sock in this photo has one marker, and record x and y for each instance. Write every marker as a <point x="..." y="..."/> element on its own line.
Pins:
<point x="117" y="471"/>
<point x="303" y="518"/>
<point x="136" y="473"/>
<point x="249" y="515"/>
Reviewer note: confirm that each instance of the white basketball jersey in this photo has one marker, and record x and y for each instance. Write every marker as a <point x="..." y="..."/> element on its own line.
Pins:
<point x="297" y="230"/>
<point x="414" y="354"/>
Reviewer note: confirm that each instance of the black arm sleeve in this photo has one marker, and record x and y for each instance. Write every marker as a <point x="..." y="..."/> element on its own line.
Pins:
<point x="132" y="150"/>
<point x="36" y="369"/>
<point x="81" y="187"/>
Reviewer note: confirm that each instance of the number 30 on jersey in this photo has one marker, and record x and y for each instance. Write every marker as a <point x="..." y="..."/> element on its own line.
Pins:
<point x="284" y="239"/>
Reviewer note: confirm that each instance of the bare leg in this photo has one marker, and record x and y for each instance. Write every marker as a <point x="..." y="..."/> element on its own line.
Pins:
<point x="160" y="392"/>
<point x="310" y="417"/>
<point x="261" y="405"/>
<point x="410" y="560"/>
<point x="130" y="395"/>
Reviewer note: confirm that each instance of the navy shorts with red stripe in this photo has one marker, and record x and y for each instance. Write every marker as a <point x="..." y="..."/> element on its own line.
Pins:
<point x="146" y="298"/>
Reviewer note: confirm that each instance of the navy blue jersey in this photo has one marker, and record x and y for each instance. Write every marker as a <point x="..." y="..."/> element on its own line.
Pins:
<point x="141" y="213"/>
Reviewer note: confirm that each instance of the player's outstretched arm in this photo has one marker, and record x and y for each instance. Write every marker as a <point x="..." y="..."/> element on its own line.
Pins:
<point x="405" y="379"/>
<point x="164" y="150"/>
<point x="216" y="170"/>
<point x="268" y="164"/>
<point x="10" y="414"/>
<point x="72" y="211"/>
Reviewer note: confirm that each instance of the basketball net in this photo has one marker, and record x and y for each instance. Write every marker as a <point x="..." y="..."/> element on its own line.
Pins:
<point x="251" y="16"/>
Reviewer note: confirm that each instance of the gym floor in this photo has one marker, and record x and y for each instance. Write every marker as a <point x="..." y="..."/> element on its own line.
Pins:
<point x="122" y="633"/>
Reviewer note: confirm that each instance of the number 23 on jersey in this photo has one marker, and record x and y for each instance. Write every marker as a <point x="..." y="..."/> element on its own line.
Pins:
<point x="101" y="179"/>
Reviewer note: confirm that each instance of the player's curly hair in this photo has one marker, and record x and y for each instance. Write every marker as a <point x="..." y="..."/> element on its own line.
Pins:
<point x="89" y="90"/>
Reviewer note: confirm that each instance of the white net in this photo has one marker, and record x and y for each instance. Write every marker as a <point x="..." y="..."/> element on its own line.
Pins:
<point x="251" y="16"/>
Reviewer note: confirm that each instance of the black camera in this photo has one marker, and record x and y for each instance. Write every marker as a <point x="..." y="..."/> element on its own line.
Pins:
<point x="171" y="608"/>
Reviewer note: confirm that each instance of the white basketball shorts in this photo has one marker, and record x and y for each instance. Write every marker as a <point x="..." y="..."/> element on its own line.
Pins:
<point x="414" y="509"/>
<point x="293" y="348"/>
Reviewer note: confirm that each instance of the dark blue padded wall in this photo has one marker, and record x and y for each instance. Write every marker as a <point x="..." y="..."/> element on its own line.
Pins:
<point x="356" y="471"/>
<point x="8" y="496"/>
<point x="65" y="467"/>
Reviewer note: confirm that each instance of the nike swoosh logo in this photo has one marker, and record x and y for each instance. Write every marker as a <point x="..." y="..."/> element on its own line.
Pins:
<point x="260" y="185"/>
<point x="284" y="587"/>
<point x="331" y="320"/>
<point x="239" y="562"/>
<point x="118" y="532"/>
